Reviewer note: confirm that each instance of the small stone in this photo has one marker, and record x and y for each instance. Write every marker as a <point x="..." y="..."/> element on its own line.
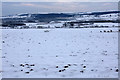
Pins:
<point x="27" y="72"/>
<point x="104" y="51"/>
<point x="46" y="31"/>
<point x="84" y="60"/>
<point x="13" y="65"/>
<point x="3" y="41"/>
<point x="56" y="66"/>
<point x="26" y="64"/>
<point x="75" y="64"/>
<point x="21" y="70"/>
<point x="110" y="30"/>
<point x="81" y="71"/>
<point x="28" y="55"/>
<point x="117" y="70"/>
<point x="31" y="69"/>
<point x="32" y="65"/>
<point x="81" y="64"/>
<point x="65" y="66"/>
<point x="84" y="66"/>
<point x="63" y="70"/>
<point x="69" y="64"/>
<point x="3" y="57"/>
<point x="22" y="65"/>
<point x="60" y="70"/>
<point x="28" y="67"/>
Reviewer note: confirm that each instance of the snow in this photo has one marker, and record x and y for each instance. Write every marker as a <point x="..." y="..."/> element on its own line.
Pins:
<point x="48" y="49"/>
<point x="0" y="54"/>
<point x="51" y="25"/>
<point x="106" y="24"/>
<point x="102" y="17"/>
<point x="60" y="24"/>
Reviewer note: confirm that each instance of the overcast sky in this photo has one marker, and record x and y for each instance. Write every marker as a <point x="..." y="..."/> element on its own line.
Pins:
<point x="9" y="8"/>
<point x="59" y="0"/>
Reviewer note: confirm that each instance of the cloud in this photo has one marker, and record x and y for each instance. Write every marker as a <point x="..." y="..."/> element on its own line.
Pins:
<point x="27" y="4"/>
<point x="47" y="7"/>
<point x="57" y="6"/>
<point x="107" y="4"/>
<point x="23" y="4"/>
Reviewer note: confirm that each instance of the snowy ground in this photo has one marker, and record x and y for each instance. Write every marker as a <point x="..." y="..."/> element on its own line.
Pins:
<point x="106" y="24"/>
<point x="60" y="53"/>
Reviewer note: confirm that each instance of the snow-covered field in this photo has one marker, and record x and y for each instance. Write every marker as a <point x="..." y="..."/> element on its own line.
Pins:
<point x="60" y="53"/>
<point x="106" y="24"/>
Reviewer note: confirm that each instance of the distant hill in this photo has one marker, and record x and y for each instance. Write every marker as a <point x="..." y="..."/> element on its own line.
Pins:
<point x="100" y="13"/>
<point x="48" y="17"/>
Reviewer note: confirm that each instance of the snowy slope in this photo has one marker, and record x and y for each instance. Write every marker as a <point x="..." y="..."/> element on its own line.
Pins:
<point x="102" y="17"/>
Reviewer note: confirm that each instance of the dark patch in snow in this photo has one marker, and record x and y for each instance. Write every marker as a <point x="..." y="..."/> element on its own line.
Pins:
<point x="81" y="71"/>
<point x="66" y="66"/>
<point x="27" y="72"/>
<point x="63" y="69"/>
<point x="69" y="64"/>
<point x="29" y="56"/>
<point x="84" y="66"/>
<point x="56" y="66"/>
<point x="13" y="65"/>
<point x="3" y="41"/>
<point x="46" y="31"/>
<point x="60" y="70"/>
<point x="4" y="57"/>
<point x="31" y="69"/>
<point x="22" y="65"/>
<point x="117" y="70"/>
<point x="102" y="60"/>
<point x="32" y="65"/>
